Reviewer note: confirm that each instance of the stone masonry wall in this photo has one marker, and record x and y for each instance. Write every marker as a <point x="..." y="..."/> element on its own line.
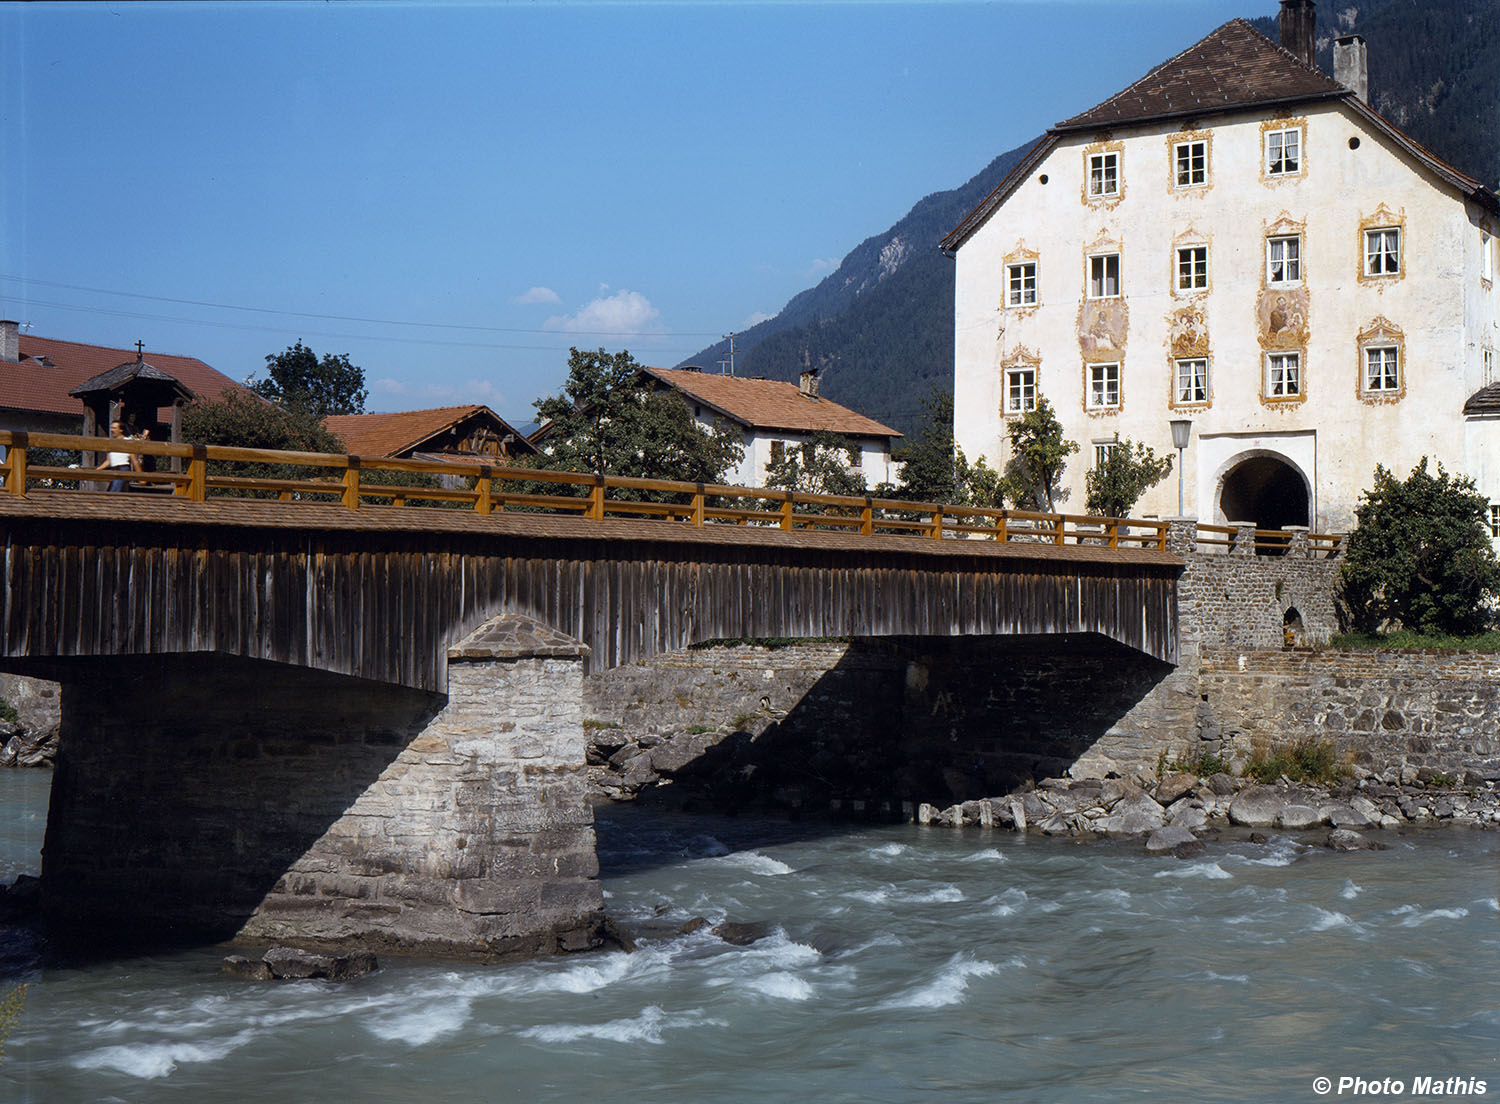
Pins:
<point x="228" y="798"/>
<point x="1423" y="712"/>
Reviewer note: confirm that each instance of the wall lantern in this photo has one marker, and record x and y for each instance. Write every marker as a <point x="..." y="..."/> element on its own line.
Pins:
<point x="1182" y="429"/>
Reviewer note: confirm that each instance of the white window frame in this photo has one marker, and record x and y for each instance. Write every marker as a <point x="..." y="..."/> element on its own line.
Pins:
<point x="1103" y="386"/>
<point x="1192" y="268"/>
<point x="1495" y="520"/>
<point x="1278" y="162"/>
<point x="1191" y="388"/>
<point x="1382" y="369"/>
<point x="1020" y="390"/>
<point x="1190" y="158"/>
<point x="1099" y="276"/>
<point x="1486" y="256"/>
<point x="1487" y="359"/>
<point x="1283" y="375"/>
<point x="1284" y="260"/>
<point x="1103" y="449"/>
<point x="1019" y="290"/>
<point x="1104" y="174"/>
<point x="1382" y="259"/>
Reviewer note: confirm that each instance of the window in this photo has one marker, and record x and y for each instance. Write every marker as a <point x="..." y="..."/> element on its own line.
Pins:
<point x="1495" y="519"/>
<point x="1021" y="285"/>
<point x="1486" y="257"/>
<point x="1382" y="252"/>
<point x="1489" y="366"/>
<point x="1192" y="268"/>
<point x="1283" y="375"/>
<point x="1283" y="152"/>
<point x="1104" y="174"/>
<point x="1104" y="276"/>
<point x="1104" y="386"/>
<point x="1192" y="164"/>
<point x="1192" y="380"/>
<point x="1382" y="368"/>
<point x="1103" y="450"/>
<point x="778" y="451"/>
<point x="1020" y="390"/>
<point x="1284" y="260"/>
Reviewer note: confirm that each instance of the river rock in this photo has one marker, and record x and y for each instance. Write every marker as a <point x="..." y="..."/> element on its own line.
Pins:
<point x="1223" y="784"/>
<point x="1342" y="839"/>
<point x="679" y="751"/>
<point x="1174" y="839"/>
<point x="1298" y="816"/>
<point x="741" y="934"/>
<point x="1256" y="807"/>
<point x="1134" y="815"/>
<point x="251" y="969"/>
<point x="1341" y="815"/>
<point x="1184" y="814"/>
<point x="292" y="962"/>
<point x="1174" y="786"/>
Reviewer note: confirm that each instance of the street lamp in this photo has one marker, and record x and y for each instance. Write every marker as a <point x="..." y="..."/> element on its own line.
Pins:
<point x="1182" y="428"/>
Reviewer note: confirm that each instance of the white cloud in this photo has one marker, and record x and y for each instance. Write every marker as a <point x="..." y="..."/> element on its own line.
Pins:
<point x="623" y="314"/>
<point x="756" y="319"/>
<point x="538" y="295"/>
<point x="821" y="266"/>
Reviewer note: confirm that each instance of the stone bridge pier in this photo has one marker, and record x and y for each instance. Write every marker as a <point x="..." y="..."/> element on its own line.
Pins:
<point x="208" y="796"/>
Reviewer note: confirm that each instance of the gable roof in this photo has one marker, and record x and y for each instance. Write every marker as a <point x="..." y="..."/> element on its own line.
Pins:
<point x="769" y="404"/>
<point x="405" y="431"/>
<point x="30" y="384"/>
<point x="1233" y="68"/>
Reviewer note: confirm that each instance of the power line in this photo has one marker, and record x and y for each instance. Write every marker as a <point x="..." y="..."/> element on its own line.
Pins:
<point x="323" y="317"/>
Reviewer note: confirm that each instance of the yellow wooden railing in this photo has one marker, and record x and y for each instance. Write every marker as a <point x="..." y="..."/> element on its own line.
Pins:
<point x="355" y="482"/>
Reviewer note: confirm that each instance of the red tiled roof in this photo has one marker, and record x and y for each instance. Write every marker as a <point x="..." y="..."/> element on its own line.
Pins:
<point x="1234" y="66"/>
<point x="398" y="433"/>
<point x="769" y="404"/>
<point x="28" y="384"/>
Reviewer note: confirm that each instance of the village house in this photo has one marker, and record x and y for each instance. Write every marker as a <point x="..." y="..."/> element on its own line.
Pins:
<point x="1239" y="243"/>
<point x="774" y="416"/>
<point x="456" y="434"/>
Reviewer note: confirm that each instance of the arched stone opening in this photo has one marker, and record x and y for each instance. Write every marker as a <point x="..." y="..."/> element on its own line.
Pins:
<point x="1265" y="489"/>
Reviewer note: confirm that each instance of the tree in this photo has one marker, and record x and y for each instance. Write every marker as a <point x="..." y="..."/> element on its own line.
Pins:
<point x="1039" y="453"/>
<point x="1128" y="471"/>
<point x="244" y="422"/>
<point x="1420" y="555"/>
<point x="930" y="465"/>
<point x="297" y="379"/>
<point x="610" y="420"/>
<point x="823" y="464"/>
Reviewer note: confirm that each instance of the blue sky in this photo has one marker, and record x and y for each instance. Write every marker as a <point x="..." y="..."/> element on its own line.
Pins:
<point x="453" y="194"/>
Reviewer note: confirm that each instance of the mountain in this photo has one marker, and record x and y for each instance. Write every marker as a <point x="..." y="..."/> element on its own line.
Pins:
<point x="881" y="326"/>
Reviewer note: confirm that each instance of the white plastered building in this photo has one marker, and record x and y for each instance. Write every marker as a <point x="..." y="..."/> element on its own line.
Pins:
<point x="1238" y="241"/>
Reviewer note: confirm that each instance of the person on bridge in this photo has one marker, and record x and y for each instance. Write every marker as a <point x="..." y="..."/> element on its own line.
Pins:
<point x="119" y="461"/>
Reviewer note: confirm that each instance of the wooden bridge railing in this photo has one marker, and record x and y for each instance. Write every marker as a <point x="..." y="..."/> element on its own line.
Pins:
<point x="197" y="472"/>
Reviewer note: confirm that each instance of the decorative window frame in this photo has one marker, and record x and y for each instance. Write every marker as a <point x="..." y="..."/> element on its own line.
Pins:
<point x="1104" y="147"/>
<point x="1183" y="138"/>
<point x="1381" y="333"/>
<point x="1022" y="360"/>
<point x="1174" y="396"/>
<point x="1300" y="263"/>
<point x="1018" y="256"/>
<point x="1382" y="218"/>
<point x="1089" y="368"/>
<point x="1178" y="248"/>
<point x="1272" y="126"/>
<point x="1265" y="377"/>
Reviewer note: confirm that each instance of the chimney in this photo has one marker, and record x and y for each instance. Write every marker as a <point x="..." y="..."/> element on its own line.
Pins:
<point x="807" y="384"/>
<point x="1297" y="28"/>
<point x="10" y="341"/>
<point x="1351" y="65"/>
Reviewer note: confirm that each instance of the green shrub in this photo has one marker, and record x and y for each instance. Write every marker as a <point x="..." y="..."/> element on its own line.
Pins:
<point x="590" y="723"/>
<point x="8" y="713"/>
<point x="1200" y="763"/>
<point x="1404" y="640"/>
<point x="1307" y="759"/>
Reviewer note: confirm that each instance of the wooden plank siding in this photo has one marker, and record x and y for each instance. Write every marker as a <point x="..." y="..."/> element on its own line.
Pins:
<point x="384" y="602"/>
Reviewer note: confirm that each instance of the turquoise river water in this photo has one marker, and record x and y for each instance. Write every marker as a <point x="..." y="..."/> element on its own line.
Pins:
<point x="903" y="965"/>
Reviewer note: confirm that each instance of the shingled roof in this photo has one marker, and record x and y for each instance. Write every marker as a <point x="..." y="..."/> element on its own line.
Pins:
<point x="1485" y="402"/>
<point x="769" y="404"/>
<point x="405" y="431"/>
<point x="49" y="369"/>
<point x="1233" y="67"/>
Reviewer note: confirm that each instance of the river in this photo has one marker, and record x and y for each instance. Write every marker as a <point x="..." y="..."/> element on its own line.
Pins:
<point x="903" y="964"/>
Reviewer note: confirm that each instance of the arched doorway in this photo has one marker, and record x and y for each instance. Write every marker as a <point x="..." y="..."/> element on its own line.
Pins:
<point x="1266" y="489"/>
